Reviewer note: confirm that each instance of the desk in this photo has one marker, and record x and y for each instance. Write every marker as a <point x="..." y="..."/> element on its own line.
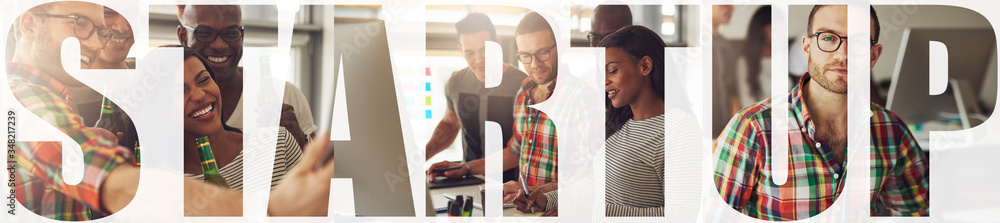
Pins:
<point x="439" y="201"/>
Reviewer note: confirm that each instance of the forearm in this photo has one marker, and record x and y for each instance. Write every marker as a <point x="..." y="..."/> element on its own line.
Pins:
<point x="119" y="188"/>
<point x="545" y="188"/>
<point x="101" y="161"/>
<point x="444" y="134"/>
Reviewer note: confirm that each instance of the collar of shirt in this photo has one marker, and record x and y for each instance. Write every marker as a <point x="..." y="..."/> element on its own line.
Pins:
<point x="529" y="84"/>
<point x="34" y="75"/>
<point x="800" y="112"/>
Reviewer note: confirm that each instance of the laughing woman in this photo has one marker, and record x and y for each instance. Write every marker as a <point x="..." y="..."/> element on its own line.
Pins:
<point x="202" y="101"/>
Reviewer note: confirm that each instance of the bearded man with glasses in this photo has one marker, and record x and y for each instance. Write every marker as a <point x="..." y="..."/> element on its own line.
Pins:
<point x="817" y="140"/>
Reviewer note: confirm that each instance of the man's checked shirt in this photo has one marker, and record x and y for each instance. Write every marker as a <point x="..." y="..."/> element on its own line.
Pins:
<point x="39" y="181"/>
<point x="815" y="178"/>
<point x="534" y="139"/>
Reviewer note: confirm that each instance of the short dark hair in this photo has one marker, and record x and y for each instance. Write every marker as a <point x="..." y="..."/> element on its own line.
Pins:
<point x="878" y="26"/>
<point x="476" y="22"/>
<point x="533" y="22"/>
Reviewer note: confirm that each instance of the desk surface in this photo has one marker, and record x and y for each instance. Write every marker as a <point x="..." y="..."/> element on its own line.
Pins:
<point x="439" y="201"/>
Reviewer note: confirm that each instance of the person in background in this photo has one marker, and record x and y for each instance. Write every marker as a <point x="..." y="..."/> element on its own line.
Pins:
<point x="469" y="100"/>
<point x="216" y="33"/>
<point x="111" y="181"/>
<point x="725" y="101"/>
<point x="606" y="20"/>
<point x="754" y="66"/>
<point x="115" y="54"/>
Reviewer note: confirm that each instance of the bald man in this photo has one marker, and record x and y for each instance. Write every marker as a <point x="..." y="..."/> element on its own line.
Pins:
<point x="606" y="20"/>
<point x="216" y="32"/>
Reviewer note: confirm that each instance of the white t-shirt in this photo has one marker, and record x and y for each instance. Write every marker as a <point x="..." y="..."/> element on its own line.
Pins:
<point x="293" y="96"/>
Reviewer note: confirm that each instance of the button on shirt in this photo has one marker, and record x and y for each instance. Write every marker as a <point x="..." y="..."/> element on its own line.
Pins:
<point x="534" y="140"/>
<point x="743" y="177"/>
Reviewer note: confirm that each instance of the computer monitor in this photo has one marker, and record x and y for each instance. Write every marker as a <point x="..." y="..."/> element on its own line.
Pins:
<point x="969" y="54"/>
<point x="375" y="155"/>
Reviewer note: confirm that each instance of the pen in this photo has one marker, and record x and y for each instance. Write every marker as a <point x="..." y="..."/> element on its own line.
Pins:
<point x="524" y="185"/>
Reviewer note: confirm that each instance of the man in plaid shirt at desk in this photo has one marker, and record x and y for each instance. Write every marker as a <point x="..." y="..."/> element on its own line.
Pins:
<point x="817" y="134"/>
<point x="533" y="147"/>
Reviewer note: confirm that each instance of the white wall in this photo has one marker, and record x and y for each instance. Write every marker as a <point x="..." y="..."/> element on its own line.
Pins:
<point x="895" y="19"/>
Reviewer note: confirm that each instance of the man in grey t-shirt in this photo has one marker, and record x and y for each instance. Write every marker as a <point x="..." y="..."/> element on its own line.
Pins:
<point x="470" y="103"/>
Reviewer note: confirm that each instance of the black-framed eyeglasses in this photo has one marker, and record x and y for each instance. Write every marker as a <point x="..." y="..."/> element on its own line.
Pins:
<point x="84" y="28"/>
<point x="830" y="42"/>
<point x="594" y="38"/>
<point x="542" y="54"/>
<point x="207" y="35"/>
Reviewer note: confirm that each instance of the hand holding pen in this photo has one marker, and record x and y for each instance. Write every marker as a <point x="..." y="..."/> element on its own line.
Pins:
<point x="527" y="201"/>
<point x="534" y="201"/>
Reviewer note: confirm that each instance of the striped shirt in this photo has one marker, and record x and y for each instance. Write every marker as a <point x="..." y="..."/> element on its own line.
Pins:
<point x="38" y="178"/>
<point x="534" y="140"/>
<point x="634" y="169"/>
<point x="815" y="178"/>
<point x="679" y="199"/>
<point x="286" y="155"/>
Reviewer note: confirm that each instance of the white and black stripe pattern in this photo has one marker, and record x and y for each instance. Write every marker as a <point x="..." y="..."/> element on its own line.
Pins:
<point x="286" y="155"/>
<point x="634" y="169"/>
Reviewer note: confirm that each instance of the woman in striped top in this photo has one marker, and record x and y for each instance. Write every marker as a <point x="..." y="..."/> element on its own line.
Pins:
<point x="634" y="168"/>
<point x="634" y="127"/>
<point x="202" y="103"/>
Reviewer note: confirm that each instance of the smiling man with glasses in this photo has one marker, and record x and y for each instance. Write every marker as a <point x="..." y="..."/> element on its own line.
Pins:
<point x="817" y="135"/>
<point x="534" y="144"/>
<point x="216" y="32"/>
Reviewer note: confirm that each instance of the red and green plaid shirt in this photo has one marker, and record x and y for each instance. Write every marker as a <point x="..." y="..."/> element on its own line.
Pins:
<point x="39" y="183"/>
<point x="534" y="139"/>
<point x="743" y="177"/>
